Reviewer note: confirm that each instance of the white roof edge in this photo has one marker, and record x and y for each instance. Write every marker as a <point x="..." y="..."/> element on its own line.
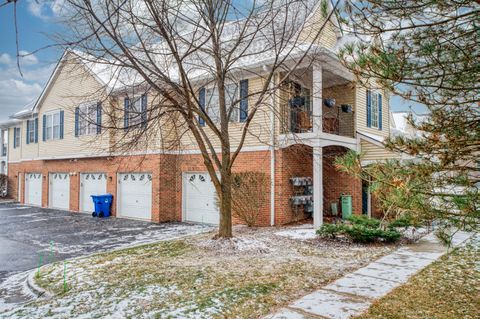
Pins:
<point x="54" y="74"/>
<point x="9" y="123"/>
<point x="368" y="137"/>
<point x="49" y="82"/>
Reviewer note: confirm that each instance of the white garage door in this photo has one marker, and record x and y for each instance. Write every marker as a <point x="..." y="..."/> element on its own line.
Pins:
<point x="33" y="189"/>
<point x="200" y="199"/>
<point x="91" y="184"/>
<point x="134" y="195"/>
<point x="59" y="190"/>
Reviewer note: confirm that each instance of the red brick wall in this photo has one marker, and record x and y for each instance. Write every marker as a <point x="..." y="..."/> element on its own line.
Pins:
<point x="335" y="183"/>
<point x="167" y="172"/>
<point x="293" y="161"/>
<point x="111" y="166"/>
<point x="258" y="161"/>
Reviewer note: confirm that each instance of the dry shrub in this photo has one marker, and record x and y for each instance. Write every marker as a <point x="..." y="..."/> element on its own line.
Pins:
<point x="249" y="196"/>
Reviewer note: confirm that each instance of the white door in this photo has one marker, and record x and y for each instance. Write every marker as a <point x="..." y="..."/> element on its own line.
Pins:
<point x="59" y="190"/>
<point x="91" y="184"/>
<point x="200" y="203"/>
<point x="134" y="195"/>
<point x="19" y="190"/>
<point x="33" y="189"/>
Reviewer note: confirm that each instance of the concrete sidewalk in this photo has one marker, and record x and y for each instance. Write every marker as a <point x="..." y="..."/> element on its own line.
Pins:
<point x="355" y="292"/>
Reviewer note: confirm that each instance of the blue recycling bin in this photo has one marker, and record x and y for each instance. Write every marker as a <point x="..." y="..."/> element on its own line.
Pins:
<point x="102" y="204"/>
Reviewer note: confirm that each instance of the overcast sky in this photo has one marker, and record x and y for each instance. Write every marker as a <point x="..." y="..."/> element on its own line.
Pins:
<point x="36" y="20"/>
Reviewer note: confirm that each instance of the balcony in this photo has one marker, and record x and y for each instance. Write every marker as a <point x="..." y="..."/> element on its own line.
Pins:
<point x="298" y="118"/>
<point x="317" y="108"/>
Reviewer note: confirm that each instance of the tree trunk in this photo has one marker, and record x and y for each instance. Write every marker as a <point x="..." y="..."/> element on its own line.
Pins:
<point x="225" y="229"/>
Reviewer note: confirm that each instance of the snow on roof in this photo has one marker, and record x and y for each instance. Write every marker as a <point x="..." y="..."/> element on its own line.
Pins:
<point x="400" y="125"/>
<point x="257" y="51"/>
<point x="256" y="48"/>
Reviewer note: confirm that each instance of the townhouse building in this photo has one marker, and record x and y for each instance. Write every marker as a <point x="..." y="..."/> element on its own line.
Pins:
<point x="61" y="153"/>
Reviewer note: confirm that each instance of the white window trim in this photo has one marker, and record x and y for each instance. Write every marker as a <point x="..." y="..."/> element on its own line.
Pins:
<point x="135" y="118"/>
<point x="18" y="136"/>
<point x="31" y="131"/>
<point x="85" y="122"/>
<point x="235" y="117"/>
<point x="374" y="110"/>
<point x="52" y="114"/>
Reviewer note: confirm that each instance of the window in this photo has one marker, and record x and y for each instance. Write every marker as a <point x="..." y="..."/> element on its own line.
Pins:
<point x="135" y="111"/>
<point x="87" y="119"/>
<point x="374" y="110"/>
<point x="31" y="129"/>
<point x="213" y="106"/>
<point x="16" y="137"/>
<point x="52" y="126"/>
<point x="374" y="120"/>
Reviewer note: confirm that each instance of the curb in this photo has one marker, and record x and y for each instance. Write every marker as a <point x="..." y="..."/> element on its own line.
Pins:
<point x="36" y="290"/>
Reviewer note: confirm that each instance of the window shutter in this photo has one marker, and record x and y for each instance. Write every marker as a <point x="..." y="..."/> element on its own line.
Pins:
<point x="99" y="118"/>
<point x="36" y="130"/>
<point x="201" y="100"/>
<point x="77" y="115"/>
<point x="379" y="112"/>
<point x="61" y="124"/>
<point x="44" y="128"/>
<point x="125" y="115"/>
<point x="144" y="111"/>
<point x="243" y="100"/>
<point x="369" y="108"/>
<point x="14" y="137"/>
<point x="28" y="131"/>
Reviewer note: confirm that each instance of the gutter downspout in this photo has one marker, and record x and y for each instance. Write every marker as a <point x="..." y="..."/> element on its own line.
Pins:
<point x="272" y="155"/>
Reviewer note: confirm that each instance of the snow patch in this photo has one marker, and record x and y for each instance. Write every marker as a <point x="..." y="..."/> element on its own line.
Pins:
<point x="236" y="244"/>
<point x="298" y="233"/>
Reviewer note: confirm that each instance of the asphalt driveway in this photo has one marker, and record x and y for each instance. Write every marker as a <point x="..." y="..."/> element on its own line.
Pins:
<point x="28" y="232"/>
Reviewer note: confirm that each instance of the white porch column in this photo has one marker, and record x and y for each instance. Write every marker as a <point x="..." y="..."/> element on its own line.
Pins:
<point x="317" y="187"/>
<point x="317" y="100"/>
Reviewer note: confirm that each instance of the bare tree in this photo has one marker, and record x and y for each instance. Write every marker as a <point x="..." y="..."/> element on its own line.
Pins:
<point x="173" y="49"/>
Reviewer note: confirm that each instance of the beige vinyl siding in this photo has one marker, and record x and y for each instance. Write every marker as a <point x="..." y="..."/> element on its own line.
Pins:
<point x="29" y="151"/>
<point x="259" y="132"/>
<point x="138" y="140"/>
<point x="361" y="112"/>
<point x="14" y="154"/>
<point x="372" y="152"/>
<point x="73" y="85"/>
<point x="327" y="37"/>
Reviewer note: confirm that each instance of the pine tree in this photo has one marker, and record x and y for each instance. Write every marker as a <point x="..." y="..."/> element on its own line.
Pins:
<point x="428" y="53"/>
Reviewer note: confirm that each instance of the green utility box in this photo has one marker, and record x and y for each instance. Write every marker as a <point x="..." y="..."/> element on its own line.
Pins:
<point x="346" y="201"/>
<point x="334" y="208"/>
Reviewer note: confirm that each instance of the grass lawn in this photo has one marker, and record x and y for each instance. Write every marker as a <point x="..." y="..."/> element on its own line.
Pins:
<point x="197" y="277"/>
<point x="449" y="288"/>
